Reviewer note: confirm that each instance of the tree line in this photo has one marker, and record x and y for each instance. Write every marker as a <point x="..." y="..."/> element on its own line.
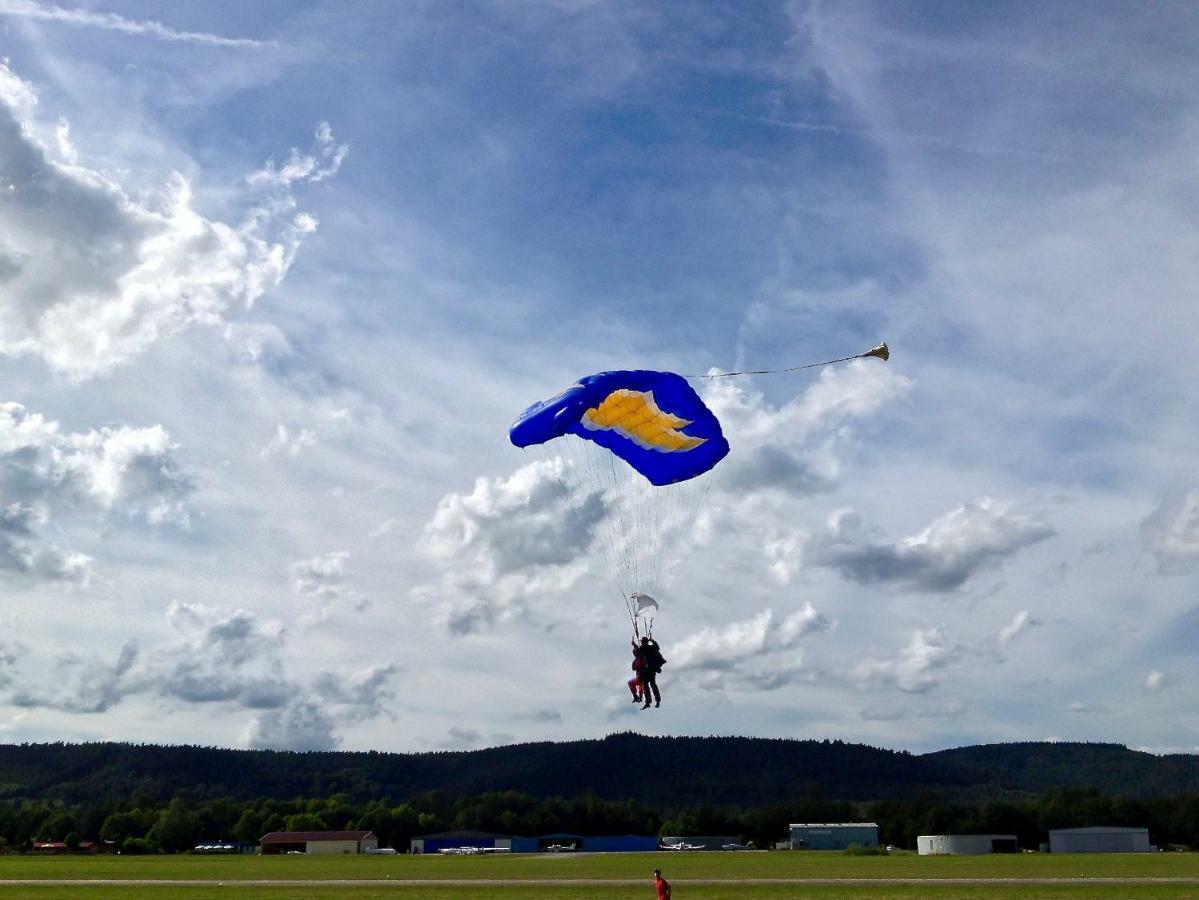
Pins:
<point x="142" y="825"/>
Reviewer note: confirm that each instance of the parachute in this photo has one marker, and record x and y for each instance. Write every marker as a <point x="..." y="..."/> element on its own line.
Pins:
<point x="635" y="450"/>
<point x="640" y="442"/>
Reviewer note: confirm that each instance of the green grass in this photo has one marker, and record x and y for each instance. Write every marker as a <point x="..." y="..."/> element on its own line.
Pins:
<point x="682" y="892"/>
<point x="730" y="866"/>
<point x="631" y="869"/>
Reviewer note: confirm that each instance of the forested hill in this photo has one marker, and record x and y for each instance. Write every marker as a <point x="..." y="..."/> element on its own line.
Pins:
<point x="662" y="772"/>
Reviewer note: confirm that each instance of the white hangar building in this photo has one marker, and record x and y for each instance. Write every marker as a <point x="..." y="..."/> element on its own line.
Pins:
<point x="965" y="844"/>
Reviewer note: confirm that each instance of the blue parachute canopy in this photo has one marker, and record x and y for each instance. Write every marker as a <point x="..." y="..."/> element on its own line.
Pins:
<point x="654" y="421"/>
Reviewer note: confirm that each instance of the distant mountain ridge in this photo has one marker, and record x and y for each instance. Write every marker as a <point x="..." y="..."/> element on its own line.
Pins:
<point x="661" y="771"/>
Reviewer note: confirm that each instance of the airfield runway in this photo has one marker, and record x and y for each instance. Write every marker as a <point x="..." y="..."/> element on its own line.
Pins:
<point x="401" y="883"/>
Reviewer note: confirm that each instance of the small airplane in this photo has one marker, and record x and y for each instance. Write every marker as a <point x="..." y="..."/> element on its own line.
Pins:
<point x="735" y="846"/>
<point x="561" y="848"/>
<point x="682" y="845"/>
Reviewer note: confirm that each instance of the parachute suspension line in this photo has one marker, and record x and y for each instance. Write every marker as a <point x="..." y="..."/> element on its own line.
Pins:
<point x="628" y="602"/>
<point x="554" y="461"/>
<point x="587" y="457"/>
<point x="879" y="352"/>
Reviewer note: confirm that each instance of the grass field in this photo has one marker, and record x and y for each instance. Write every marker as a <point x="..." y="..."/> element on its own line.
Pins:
<point x="614" y="876"/>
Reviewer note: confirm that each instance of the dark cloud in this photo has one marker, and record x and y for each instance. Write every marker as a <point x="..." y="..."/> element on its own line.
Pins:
<point x="540" y="715"/>
<point x="943" y="557"/>
<point x="770" y="467"/>
<point x="24" y="563"/>
<point x="83" y="685"/>
<point x="361" y="696"/>
<point x="302" y="726"/>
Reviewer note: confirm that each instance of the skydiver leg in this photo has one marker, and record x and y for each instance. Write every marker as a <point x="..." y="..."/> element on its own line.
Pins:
<point x="648" y="684"/>
<point x="657" y="693"/>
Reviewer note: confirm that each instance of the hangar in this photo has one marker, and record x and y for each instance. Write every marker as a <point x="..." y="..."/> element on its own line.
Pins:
<point x="833" y="835"/>
<point x="317" y="842"/>
<point x="1099" y="840"/>
<point x="965" y="844"/>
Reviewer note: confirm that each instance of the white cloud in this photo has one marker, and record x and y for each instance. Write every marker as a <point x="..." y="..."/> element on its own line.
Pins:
<point x="321" y="162"/>
<point x="323" y="578"/>
<point x="25" y="560"/>
<point x="1020" y="623"/>
<point x="760" y="652"/>
<point x="1155" y="680"/>
<point x="94" y="275"/>
<point x="944" y="556"/>
<point x="509" y="544"/>
<point x="288" y="442"/>
<point x="794" y="447"/>
<point x="112" y="471"/>
<point x="919" y="667"/>
<point x="383" y="528"/>
<point x="1171" y="532"/>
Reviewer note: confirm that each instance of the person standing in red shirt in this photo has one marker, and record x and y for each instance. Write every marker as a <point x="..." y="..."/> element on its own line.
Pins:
<point x="661" y="885"/>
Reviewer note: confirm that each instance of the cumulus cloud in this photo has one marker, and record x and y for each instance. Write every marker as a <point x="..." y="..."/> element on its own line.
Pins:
<point x="288" y="442"/>
<point x="323" y="578"/>
<point x="232" y="658"/>
<point x="94" y="275"/>
<point x="82" y="685"/>
<point x="301" y="726"/>
<point x="23" y="561"/>
<point x="941" y="558"/>
<point x="792" y="447"/>
<point x="1171" y="533"/>
<point x="111" y="471"/>
<point x="1155" y="681"/>
<point x="919" y="667"/>
<point x="759" y="652"/>
<point x="229" y="658"/>
<point x="508" y="544"/>
<point x="360" y="695"/>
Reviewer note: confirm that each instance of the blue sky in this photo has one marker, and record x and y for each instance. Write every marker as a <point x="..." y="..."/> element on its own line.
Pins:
<point x="276" y="277"/>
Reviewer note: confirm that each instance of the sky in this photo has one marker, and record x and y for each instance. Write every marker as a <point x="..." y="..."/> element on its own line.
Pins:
<point x="275" y="279"/>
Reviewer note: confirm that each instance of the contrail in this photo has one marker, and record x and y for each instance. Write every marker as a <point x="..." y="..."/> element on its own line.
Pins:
<point x="875" y="134"/>
<point x="82" y="18"/>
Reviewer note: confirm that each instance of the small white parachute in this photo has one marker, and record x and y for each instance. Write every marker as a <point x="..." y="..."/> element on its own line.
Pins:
<point x="644" y="605"/>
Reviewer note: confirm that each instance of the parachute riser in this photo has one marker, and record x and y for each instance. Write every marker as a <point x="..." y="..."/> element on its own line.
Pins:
<point x="880" y="352"/>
